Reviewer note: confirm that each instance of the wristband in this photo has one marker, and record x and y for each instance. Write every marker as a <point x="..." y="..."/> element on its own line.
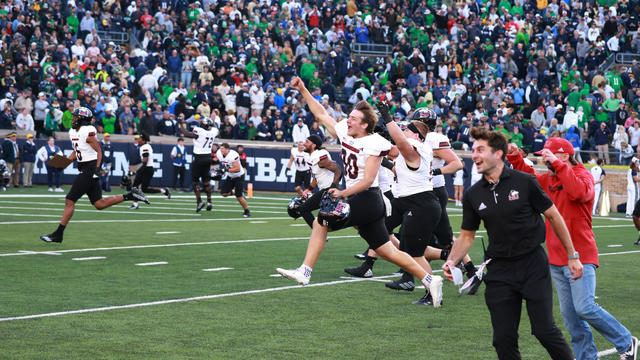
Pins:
<point x="387" y="163"/>
<point x="436" y="172"/>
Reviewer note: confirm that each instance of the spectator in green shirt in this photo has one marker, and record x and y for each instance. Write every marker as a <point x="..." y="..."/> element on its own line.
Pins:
<point x="108" y="120"/>
<point x="307" y="69"/>
<point x="516" y="136"/>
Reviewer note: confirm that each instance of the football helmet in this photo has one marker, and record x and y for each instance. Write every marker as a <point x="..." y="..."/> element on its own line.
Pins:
<point x="206" y="123"/>
<point x="427" y="116"/>
<point x="333" y="213"/>
<point x="81" y="116"/>
<point x="294" y="206"/>
<point x="217" y="174"/>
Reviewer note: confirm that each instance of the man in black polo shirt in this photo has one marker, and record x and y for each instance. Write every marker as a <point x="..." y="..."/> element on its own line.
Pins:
<point x="510" y="203"/>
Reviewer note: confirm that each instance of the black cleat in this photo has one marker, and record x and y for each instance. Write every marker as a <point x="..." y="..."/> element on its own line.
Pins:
<point x="167" y="193"/>
<point x="138" y="195"/>
<point x="209" y="206"/>
<point x="473" y="289"/>
<point x="246" y="213"/>
<point x="362" y="271"/>
<point x="426" y="300"/>
<point x="401" y="284"/>
<point x="637" y="242"/>
<point x="199" y="207"/>
<point x="51" y="238"/>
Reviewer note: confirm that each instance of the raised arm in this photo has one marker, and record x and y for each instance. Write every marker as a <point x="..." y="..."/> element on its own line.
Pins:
<point x="453" y="161"/>
<point x="316" y="108"/>
<point x="185" y="132"/>
<point x="407" y="150"/>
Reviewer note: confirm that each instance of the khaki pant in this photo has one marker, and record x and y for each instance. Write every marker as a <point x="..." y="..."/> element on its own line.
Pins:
<point x="603" y="152"/>
<point x="27" y="175"/>
<point x="14" y="177"/>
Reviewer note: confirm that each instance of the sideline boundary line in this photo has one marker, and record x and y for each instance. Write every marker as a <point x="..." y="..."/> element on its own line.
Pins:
<point x="142" y="220"/>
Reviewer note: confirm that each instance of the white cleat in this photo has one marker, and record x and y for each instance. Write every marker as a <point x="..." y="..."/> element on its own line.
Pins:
<point x="295" y="275"/>
<point x="435" y="289"/>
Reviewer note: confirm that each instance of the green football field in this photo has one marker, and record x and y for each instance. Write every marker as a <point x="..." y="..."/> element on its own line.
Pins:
<point x="163" y="282"/>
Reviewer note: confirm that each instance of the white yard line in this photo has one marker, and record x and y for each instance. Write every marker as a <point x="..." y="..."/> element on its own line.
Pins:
<point x="89" y="258"/>
<point x="218" y="269"/>
<point x="175" y="245"/>
<point x="35" y="196"/>
<point x="152" y="263"/>
<point x="140" y="220"/>
<point x="29" y="215"/>
<point x="167" y="232"/>
<point x="101" y="211"/>
<point x="182" y="206"/>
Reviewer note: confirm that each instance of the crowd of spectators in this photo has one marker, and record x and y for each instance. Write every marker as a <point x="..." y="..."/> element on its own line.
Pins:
<point x="529" y="68"/>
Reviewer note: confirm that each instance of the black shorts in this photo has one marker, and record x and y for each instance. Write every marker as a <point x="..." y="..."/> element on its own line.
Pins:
<point x="418" y="214"/>
<point x="237" y="183"/>
<point x="636" y="209"/>
<point x="367" y="213"/>
<point x="443" y="233"/>
<point x="200" y="168"/>
<point x="85" y="183"/>
<point x="302" y="179"/>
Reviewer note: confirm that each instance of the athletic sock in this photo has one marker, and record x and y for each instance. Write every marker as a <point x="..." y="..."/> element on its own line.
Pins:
<point x="407" y="276"/>
<point x="60" y="229"/>
<point x="305" y="270"/>
<point x="426" y="281"/>
<point x="470" y="269"/>
<point x="369" y="261"/>
<point x="444" y="254"/>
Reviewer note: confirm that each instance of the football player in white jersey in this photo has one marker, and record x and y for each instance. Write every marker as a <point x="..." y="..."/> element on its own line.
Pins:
<point x="88" y="154"/>
<point x="145" y="173"/>
<point x="203" y="138"/>
<point x="303" y="174"/>
<point x="598" y="177"/>
<point x="233" y="178"/>
<point x="362" y="153"/>
<point x="326" y="175"/>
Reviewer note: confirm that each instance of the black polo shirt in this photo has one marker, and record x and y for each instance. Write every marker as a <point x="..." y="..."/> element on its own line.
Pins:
<point x="511" y="212"/>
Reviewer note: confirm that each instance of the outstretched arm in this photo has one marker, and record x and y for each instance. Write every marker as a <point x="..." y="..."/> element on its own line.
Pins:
<point x="316" y="108"/>
<point x="406" y="149"/>
<point x="187" y="133"/>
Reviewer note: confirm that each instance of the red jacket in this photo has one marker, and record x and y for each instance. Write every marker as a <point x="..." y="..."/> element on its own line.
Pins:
<point x="571" y="191"/>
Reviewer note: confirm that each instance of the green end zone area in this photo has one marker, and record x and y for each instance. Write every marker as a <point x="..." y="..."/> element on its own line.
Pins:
<point x="111" y="302"/>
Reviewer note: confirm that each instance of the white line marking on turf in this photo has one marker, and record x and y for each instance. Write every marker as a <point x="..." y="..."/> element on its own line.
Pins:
<point x="275" y="275"/>
<point x="25" y="252"/>
<point x="31" y="215"/>
<point x="298" y="225"/>
<point x="35" y="196"/>
<point x="607" y="352"/>
<point x="614" y="245"/>
<point x="175" y="205"/>
<point x="89" y="258"/>
<point x="153" y="263"/>
<point x="258" y="222"/>
<point x="167" y="232"/>
<point x="218" y="269"/>
<point x="181" y="244"/>
<point x="101" y="211"/>
<point x="138" y="220"/>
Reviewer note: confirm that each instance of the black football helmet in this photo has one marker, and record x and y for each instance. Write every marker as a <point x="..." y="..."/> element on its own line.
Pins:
<point x="217" y="174"/>
<point x="81" y="116"/>
<point x="334" y="213"/>
<point x="427" y="116"/>
<point x="206" y="123"/>
<point x="294" y="206"/>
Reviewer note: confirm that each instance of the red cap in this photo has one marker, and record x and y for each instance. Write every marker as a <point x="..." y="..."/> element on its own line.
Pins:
<point x="557" y="145"/>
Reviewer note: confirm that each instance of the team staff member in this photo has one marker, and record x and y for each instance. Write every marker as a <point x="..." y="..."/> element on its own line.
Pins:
<point x="510" y="203"/>
<point x="300" y="157"/>
<point x="144" y="175"/>
<point x="28" y="161"/>
<point x="326" y="174"/>
<point x="87" y="153"/>
<point x="598" y="174"/>
<point x="107" y="162"/>
<point x="234" y="176"/>
<point x="203" y="138"/>
<point x="362" y="153"/>
<point x="179" y="160"/>
<point x="45" y="154"/>
<point x="570" y="187"/>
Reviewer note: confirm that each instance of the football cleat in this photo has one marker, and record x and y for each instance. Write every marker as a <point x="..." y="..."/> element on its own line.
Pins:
<point x="246" y="213"/>
<point x="167" y="193"/>
<point x="199" y="207"/>
<point x="362" y="271"/>
<point x="209" y="206"/>
<point x="295" y="275"/>
<point x="134" y="206"/>
<point x="637" y="242"/>
<point x="139" y="195"/>
<point x="426" y="300"/>
<point x="51" y="238"/>
<point x="401" y="284"/>
<point x="435" y="289"/>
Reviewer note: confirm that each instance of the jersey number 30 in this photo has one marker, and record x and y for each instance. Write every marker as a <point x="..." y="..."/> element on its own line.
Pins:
<point x="350" y="164"/>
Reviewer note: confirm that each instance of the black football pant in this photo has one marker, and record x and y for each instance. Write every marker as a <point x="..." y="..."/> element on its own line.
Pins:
<point x="143" y="179"/>
<point x="509" y="281"/>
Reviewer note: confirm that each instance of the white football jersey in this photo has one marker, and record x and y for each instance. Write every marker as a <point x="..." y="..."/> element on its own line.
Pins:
<point x="385" y="179"/>
<point x="324" y="177"/>
<point x="146" y="149"/>
<point x="413" y="181"/>
<point x="232" y="156"/>
<point x="84" y="151"/>
<point x="301" y="159"/>
<point x="203" y="143"/>
<point x="355" y="152"/>
<point x="437" y="141"/>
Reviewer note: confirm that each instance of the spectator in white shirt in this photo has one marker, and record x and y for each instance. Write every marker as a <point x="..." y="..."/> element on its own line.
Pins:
<point x="24" y="121"/>
<point x="148" y="82"/>
<point x="300" y="131"/>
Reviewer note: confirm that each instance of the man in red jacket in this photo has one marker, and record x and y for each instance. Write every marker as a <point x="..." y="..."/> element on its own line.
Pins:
<point x="571" y="188"/>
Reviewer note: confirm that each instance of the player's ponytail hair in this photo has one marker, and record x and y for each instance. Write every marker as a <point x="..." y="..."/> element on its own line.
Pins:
<point x="370" y="117"/>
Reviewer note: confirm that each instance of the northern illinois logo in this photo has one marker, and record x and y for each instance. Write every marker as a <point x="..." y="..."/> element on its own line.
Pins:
<point x="514" y="195"/>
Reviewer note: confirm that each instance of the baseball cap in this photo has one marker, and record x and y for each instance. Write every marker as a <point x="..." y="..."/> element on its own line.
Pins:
<point x="106" y="134"/>
<point x="29" y="136"/>
<point x="557" y="145"/>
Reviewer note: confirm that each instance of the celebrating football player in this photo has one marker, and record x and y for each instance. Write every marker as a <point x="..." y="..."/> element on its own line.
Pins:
<point x="89" y="156"/>
<point x="233" y="178"/>
<point x="145" y="173"/>
<point x="203" y="138"/>
<point x="300" y="157"/>
<point x="362" y="153"/>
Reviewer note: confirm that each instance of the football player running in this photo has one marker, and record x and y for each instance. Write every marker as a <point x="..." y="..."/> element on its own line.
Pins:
<point x="301" y="159"/>
<point x="362" y="153"/>
<point x="326" y="175"/>
<point x="88" y="154"/>
<point x="203" y="138"/>
<point x="233" y="178"/>
<point x="145" y="173"/>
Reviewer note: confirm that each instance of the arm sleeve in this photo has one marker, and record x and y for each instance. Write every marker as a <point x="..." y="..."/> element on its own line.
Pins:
<point x="579" y="185"/>
<point x="470" y="218"/>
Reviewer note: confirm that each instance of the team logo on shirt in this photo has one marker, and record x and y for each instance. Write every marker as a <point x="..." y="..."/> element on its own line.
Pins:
<point x="514" y="195"/>
<point x="482" y="206"/>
